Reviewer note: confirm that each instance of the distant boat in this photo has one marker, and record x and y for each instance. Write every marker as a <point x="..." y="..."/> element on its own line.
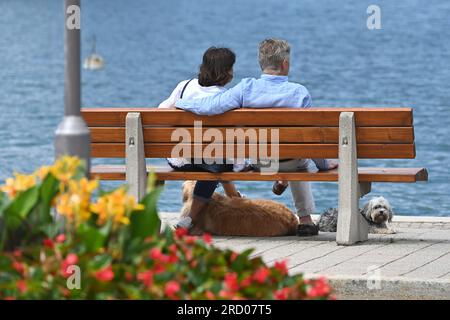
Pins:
<point x="94" y="61"/>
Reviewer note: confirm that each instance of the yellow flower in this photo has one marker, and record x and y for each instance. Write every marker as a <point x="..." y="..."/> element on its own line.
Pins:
<point x="65" y="168"/>
<point x="19" y="183"/>
<point x="117" y="206"/>
<point x="75" y="202"/>
<point x="42" y="172"/>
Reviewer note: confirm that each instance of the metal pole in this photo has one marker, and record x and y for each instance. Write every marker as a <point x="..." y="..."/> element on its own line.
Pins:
<point x="72" y="135"/>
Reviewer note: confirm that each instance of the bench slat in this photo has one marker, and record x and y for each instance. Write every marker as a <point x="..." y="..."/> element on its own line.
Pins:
<point x="404" y="175"/>
<point x="286" y="134"/>
<point x="365" y="117"/>
<point x="365" y="151"/>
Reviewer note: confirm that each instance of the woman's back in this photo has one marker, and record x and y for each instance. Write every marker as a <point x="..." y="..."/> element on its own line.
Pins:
<point x="190" y="89"/>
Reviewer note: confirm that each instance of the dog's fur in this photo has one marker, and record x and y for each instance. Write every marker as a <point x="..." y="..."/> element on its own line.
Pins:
<point x="377" y="212"/>
<point x="225" y="216"/>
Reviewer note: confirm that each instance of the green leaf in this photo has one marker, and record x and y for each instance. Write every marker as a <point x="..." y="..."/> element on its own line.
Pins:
<point x="49" y="189"/>
<point x="81" y="170"/>
<point x="20" y="207"/>
<point x="151" y="181"/>
<point x="3" y="203"/>
<point x="40" y="217"/>
<point x="146" y="222"/>
<point x="100" y="261"/>
<point x="242" y="261"/>
<point x="5" y="263"/>
<point x="131" y="291"/>
<point x="92" y="237"/>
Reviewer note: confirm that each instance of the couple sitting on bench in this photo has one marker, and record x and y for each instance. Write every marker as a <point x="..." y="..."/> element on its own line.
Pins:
<point x="208" y="96"/>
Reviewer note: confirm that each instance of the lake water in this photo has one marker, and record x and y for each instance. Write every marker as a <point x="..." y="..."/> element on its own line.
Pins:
<point x="149" y="46"/>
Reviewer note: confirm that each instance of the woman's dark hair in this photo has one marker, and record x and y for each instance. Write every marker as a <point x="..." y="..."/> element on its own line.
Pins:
<point x="216" y="66"/>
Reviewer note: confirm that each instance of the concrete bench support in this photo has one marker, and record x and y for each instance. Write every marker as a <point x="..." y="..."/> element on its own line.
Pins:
<point x="136" y="173"/>
<point x="351" y="227"/>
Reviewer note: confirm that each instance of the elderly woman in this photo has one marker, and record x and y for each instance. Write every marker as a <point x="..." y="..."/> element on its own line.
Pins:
<point x="215" y="72"/>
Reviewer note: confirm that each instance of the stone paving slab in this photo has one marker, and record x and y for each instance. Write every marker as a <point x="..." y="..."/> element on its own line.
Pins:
<point x="414" y="263"/>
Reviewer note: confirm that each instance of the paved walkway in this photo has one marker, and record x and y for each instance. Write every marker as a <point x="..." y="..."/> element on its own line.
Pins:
<point x="414" y="263"/>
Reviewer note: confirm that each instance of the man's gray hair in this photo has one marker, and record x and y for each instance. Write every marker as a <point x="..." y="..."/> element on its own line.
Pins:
<point x="272" y="52"/>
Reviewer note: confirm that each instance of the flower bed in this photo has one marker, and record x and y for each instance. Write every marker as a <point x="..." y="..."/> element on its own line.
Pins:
<point x="64" y="238"/>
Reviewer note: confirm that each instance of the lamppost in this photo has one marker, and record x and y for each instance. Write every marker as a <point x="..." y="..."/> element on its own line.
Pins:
<point x="72" y="135"/>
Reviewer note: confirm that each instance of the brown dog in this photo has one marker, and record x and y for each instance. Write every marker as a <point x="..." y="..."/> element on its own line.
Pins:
<point x="225" y="216"/>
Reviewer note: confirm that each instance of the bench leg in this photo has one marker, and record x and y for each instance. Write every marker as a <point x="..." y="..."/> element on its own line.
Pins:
<point x="351" y="226"/>
<point x="364" y="188"/>
<point x="160" y="182"/>
<point x="136" y="171"/>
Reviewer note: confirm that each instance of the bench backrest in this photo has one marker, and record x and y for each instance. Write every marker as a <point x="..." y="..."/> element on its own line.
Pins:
<point x="385" y="133"/>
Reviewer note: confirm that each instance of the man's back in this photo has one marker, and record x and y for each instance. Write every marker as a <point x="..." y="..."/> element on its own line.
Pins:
<point x="273" y="92"/>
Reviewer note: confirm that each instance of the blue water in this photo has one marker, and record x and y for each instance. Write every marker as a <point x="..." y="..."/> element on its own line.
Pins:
<point x="149" y="46"/>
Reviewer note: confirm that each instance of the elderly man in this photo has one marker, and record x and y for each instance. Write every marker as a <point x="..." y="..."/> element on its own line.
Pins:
<point x="271" y="90"/>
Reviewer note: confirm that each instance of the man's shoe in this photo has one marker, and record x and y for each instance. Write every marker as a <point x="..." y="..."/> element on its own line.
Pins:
<point x="278" y="188"/>
<point x="307" y="230"/>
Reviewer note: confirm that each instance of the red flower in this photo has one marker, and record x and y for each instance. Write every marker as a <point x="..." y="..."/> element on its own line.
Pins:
<point x="207" y="238"/>
<point x="246" y="282"/>
<point x="128" y="276"/>
<point x="19" y="267"/>
<point x="190" y="239"/>
<point x="173" y="248"/>
<point x="60" y="238"/>
<point x="66" y="292"/>
<point x="158" y="268"/>
<point x="210" y="295"/>
<point x="261" y="274"/>
<point x="156" y="254"/>
<point x="188" y="255"/>
<point x="281" y="266"/>
<point x="146" y="278"/>
<point x="71" y="259"/>
<point x="231" y="281"/>
<point x="233" y="256"/>
<point x="165" y="259"/>
<point x="181" y="232"/>
<point x="105" y="274"/>
<point x="173" y="259"/>
<point x="226" y="294"/>
<point x="48" y="243"/>
<point x="21" y="285"/>
<point x="9" y="298"/>
<point x="171" y="288"/>
<point x="320" y="289"/>
<point x="17" y="253"/>
<point x="282" y="294"/>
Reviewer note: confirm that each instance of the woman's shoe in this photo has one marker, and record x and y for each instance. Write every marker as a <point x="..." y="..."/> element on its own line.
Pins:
<point x="278" y="188"/>
<point x="185" y="222"/>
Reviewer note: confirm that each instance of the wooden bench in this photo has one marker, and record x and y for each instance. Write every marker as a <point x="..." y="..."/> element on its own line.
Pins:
<point x="345" y="133"/>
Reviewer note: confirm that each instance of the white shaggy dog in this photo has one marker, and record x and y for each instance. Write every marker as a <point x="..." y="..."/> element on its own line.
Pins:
<point x="378" y="213"/>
